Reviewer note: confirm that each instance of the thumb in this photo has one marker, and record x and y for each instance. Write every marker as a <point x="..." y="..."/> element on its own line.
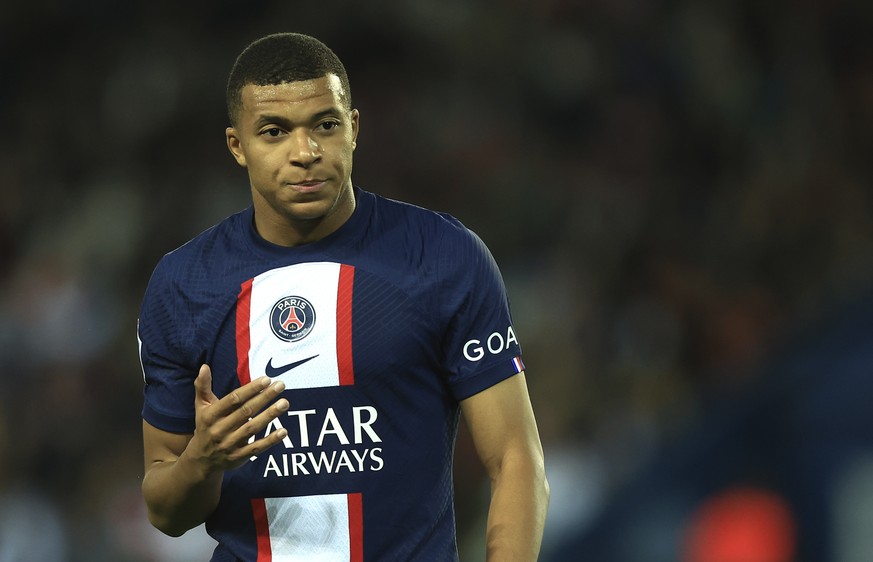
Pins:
<point x="203" y="387"/>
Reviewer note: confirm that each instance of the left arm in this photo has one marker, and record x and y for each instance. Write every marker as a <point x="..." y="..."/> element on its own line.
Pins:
<point x="504" y="431"/>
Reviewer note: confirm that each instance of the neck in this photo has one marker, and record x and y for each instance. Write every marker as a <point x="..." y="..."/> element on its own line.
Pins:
<point x="283" y="228"/>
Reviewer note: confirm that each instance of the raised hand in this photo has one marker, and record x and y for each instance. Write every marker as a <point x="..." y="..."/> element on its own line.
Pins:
<point x="225" y="427"/>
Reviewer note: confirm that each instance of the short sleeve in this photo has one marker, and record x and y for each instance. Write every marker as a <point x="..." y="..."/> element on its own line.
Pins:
<point x="480" y="346"/>
<point x="168" y="370"/>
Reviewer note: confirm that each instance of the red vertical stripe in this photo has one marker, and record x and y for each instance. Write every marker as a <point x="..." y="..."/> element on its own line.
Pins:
<point x="243" y="334"/>
<point x="262" y="527"/>
<point x="344" y="363"/>
<point x="356" y="528"/>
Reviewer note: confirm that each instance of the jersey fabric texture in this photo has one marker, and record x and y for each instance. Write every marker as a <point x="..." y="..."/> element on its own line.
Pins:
<point x="378" y="331"/>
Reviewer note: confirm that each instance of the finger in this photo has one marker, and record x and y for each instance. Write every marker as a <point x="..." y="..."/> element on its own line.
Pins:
<point x="252" y="427"/>
<point x="258" y="446"/>
<point x="243" y="443"/>
<point x="203" y="387"/>
<point x="241" y="396"/>
<point x="255" y="405"/>
<point x="244" y="403"/>
<point x="230" y="432"/>
<point x="235" y="447"/>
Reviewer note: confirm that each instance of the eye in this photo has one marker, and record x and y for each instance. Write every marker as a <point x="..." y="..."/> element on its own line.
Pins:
<point x="329" y="125"/>
<point x="272" y="132"/>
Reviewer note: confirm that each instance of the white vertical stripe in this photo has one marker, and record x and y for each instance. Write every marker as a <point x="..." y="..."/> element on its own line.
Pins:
<point x="317" y="283"/>
<point x="309" y="528"/>
<point x="139" y="348"/>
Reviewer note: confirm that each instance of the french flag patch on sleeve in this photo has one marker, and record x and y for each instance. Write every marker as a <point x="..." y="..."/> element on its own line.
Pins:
<point x="517" y="364"/>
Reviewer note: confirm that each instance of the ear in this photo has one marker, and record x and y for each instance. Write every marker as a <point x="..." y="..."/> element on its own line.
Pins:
<point x="235" y="146"/>
<point x="355" y="115"/>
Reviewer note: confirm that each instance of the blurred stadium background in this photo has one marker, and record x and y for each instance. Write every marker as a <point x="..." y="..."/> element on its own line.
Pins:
<point x="678" y="193"/>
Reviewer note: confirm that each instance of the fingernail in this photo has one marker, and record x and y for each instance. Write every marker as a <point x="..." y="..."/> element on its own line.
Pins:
<point x="279" y="385"/>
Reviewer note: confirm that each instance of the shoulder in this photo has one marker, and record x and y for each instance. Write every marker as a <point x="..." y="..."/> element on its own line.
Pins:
<point x="209" y="249"/>
<point x="439" y="250"/>
<point x="188" y="284"/>
<point x="433" y="228"/>
<point x="199" y="272"/>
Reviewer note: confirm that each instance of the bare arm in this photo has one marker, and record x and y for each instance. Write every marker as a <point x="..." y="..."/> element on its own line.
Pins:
<point x="183" y="472"/>
<point x="504" y="431"/>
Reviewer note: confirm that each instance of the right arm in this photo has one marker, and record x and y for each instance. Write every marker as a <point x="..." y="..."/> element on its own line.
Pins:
<point x="183" y="472"/>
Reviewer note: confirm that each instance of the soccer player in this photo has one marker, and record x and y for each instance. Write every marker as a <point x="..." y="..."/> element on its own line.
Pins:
<point x="306" y="360"/>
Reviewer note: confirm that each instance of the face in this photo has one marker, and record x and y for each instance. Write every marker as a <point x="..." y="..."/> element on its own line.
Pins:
<point x="296" y="140"/>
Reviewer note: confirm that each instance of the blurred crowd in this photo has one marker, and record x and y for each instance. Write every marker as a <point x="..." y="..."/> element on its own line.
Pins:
<point x="673" y="190"/>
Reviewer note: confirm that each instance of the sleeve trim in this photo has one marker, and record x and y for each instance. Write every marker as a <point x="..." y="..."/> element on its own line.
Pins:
<point x="166" y="422"/>
<point x="486" y="378"/>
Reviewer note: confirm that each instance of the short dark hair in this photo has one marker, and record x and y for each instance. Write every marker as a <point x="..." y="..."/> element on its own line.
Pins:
<point x="280" y="58"/>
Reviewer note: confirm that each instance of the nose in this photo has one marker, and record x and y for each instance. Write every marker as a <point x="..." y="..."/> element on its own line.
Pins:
<point x="304" y="150"/>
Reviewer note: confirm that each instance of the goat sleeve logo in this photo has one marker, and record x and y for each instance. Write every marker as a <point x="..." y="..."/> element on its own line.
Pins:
<point x="292" y="318"/>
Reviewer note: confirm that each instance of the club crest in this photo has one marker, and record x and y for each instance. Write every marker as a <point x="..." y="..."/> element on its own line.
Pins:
<point x="292" y="318"/>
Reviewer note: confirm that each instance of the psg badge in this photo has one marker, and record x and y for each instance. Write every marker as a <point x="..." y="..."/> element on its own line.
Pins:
<point x="292" y="318"/>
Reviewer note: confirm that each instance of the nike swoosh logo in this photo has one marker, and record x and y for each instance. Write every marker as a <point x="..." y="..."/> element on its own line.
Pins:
<point x="272" y="371"/>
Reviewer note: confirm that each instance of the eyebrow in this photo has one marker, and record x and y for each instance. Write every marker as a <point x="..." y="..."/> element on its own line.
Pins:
<point x="268" y="118"/>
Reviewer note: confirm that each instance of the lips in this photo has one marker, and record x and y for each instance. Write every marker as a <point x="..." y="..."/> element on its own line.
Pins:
<point x="307" y="186"/>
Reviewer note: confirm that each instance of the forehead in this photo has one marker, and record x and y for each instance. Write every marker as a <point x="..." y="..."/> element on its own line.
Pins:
<point x="326" y="91"/>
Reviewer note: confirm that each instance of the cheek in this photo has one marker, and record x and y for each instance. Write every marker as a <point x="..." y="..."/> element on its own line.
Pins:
<point x="262" y="163"/>
<point x="345" y="155"/>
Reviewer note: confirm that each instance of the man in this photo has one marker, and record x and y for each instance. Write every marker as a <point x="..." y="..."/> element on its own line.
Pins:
<point x="305" y="360"/>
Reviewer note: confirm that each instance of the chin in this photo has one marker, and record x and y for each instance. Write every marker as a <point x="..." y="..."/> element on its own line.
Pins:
<point x="308" y="211"/>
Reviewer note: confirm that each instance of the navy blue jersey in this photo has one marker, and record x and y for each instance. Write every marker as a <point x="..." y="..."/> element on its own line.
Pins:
<point x="378" y="331"/>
